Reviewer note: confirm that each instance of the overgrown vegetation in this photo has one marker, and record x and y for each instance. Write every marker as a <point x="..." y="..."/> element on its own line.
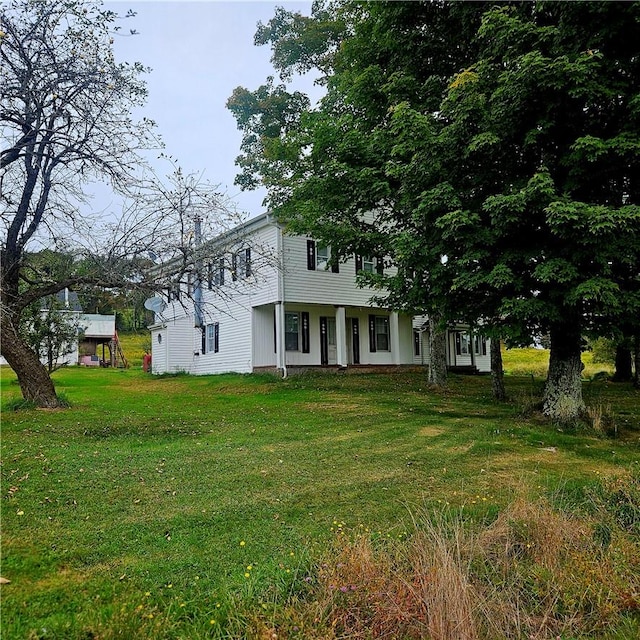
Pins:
<point x="243" y="506"/>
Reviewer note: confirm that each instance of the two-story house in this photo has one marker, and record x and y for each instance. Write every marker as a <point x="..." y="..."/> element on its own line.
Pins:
<point x="265" y="300"/>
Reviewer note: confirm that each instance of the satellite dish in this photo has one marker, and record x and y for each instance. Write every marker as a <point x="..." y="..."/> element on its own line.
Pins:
<point x="155" y="304"/>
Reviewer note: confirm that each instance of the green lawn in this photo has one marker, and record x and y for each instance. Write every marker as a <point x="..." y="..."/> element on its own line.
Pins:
<point x="164" y="507"/>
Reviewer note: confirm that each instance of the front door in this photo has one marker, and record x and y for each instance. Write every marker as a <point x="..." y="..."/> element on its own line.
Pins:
<point x="353" y="336"/>
<point x="328" y="342"/>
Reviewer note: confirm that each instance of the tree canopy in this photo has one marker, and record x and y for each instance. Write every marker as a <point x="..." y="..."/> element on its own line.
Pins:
<point x="496" y="146"/>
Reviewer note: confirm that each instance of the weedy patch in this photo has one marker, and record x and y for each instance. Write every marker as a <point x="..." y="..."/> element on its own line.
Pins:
<point x="534" y="572"/>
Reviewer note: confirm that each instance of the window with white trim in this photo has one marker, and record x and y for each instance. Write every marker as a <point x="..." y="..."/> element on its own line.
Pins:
<point x="241" y="264"/>
<point x="463" y="343"/>
<point x="319" y="256"/>
<point x="368" y="264"/>
<point x="379" y="334"/>
<point x="322" y="256"/>
<point x="292" y="331"/>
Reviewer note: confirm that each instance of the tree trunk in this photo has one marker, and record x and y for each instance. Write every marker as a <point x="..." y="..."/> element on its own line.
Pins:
<point x="34" y="380"/>
<point x="438" y="353"/>
<point x="636" y="360"/>
<point x="497" y="372"/>
<point x="562" y="399"/>
<point x="623" y="372"/>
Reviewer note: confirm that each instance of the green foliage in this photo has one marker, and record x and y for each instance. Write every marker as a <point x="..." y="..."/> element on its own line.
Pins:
<point x="603" y="350"/>
<point x="504" y="193"/>
<point x="51" y="330"/>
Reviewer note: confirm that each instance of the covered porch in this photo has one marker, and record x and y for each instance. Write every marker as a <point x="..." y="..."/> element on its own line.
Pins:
<point x="290" y="335"/>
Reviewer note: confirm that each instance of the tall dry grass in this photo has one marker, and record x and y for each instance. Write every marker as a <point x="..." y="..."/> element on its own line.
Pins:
<point x="533" y="573"/>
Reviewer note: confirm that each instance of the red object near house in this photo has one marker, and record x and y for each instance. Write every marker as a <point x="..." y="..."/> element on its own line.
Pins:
<point x="146" y="362"/>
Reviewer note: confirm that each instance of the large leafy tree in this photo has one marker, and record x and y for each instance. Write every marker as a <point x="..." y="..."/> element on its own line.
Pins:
<point x="497" y="148"/>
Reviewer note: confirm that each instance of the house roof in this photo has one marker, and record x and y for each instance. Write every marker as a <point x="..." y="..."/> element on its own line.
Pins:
<point x="97" y="325"/>
<point x="65" y="300"/>
<point x="233" y="236"/>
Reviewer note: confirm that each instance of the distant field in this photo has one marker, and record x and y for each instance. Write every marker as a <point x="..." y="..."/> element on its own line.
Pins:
<point x="520" y="362"/>
<point x="246" y="506"/>
<point x="134" y="346"/>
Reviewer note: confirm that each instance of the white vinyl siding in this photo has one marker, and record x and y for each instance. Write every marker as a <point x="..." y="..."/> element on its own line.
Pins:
<point x="264" y="336"/>
<point x="320" y="286"/>
<point x="234" y="352"/>
<point x="171" y="346"/>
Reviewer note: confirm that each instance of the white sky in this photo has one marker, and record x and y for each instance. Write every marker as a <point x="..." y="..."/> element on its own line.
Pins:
<point x="199" y="52"/>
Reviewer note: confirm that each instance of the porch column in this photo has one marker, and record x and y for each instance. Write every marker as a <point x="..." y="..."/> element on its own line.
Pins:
<point x="281" y="363"/>
<point x="394" y="331"/>
<point x="341" y="337"/>
<point x="472" y="350"/>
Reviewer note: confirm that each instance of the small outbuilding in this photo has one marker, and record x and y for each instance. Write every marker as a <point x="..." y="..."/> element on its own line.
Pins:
<point x="99" y="345"/>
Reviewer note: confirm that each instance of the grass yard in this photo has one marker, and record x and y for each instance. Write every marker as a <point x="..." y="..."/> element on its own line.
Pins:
<point x="247" y="506"/>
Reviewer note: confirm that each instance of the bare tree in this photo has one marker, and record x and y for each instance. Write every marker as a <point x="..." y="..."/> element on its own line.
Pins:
<point x="66" y="122"/>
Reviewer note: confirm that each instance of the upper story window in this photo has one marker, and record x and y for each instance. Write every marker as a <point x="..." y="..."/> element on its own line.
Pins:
<point x="241" y="264"/>
<point x="215" y="273"/>
<point x="218" y="273"/>
<point x="322" y="256"/>
<point x="318" y="256"/>
<point x="173" y="293"/>
<point x="369" y="264"/>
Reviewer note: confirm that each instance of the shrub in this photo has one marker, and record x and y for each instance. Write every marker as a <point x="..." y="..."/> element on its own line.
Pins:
<point x="603" y="351"/>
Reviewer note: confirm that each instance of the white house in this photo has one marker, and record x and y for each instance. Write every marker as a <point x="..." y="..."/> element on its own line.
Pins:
<point x="269" y="301"/>
<point x="95" y="333"/>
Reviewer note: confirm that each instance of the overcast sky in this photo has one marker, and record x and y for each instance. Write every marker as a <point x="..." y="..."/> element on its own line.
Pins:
<point x="199" y="52"/>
